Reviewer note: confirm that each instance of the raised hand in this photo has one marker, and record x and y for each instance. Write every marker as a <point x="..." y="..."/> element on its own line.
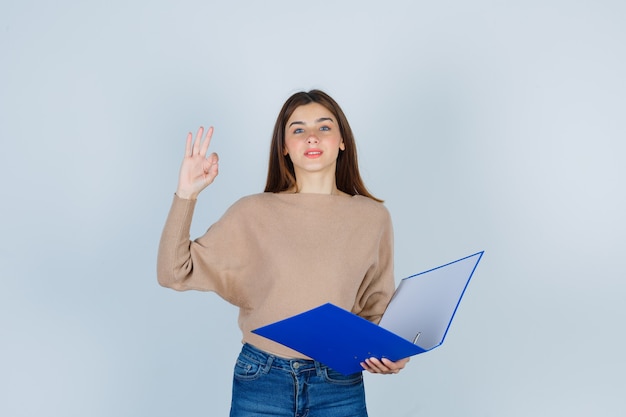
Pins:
<point x="197" y="170"/>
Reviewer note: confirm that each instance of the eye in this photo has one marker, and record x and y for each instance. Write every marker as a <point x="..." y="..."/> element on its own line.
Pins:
<point x="298" y="130"/>
<point x="325" y="128"/>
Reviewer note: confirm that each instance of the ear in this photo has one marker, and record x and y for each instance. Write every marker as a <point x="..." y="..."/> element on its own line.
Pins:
<point x="285" y="152"/>
<point x="342" y="146"/>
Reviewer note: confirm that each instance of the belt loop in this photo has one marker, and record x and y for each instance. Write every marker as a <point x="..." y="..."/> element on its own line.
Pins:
<point x="268" y="363"/>
<point x="318" y="368"/>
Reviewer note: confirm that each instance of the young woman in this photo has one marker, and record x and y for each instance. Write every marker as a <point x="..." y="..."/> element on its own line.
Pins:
<point x="316" y="235"/>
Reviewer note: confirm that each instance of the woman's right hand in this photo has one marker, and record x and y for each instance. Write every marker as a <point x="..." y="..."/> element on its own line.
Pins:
<point x="197" y="170"/>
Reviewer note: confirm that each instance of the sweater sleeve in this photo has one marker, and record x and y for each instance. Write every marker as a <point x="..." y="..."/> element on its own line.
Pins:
<point x="174" y="262"/>
<point x="378" y="284"/>
<point x="209" y="263"/>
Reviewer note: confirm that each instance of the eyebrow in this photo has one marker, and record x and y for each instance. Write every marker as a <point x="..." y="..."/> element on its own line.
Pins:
<point x="321" y="119"/>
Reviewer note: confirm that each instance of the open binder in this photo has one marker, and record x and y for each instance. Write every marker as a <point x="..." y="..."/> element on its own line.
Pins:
<point x="416" y="320"/>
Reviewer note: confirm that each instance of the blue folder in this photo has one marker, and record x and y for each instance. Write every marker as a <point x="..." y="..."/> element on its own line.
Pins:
<point x="416" y="320"/>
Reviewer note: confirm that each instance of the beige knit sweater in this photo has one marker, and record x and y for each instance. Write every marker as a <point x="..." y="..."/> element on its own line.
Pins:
<point x="274" y="255"/>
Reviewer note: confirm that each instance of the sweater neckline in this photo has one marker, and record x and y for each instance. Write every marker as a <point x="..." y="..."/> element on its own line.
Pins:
<point x="313" y="195"/>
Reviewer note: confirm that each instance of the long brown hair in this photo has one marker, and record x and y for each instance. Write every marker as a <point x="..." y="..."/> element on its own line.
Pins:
<point x="281" y="175"/>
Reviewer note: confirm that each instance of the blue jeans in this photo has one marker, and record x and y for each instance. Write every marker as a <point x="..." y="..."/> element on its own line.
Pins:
<point x="268" y="385"/>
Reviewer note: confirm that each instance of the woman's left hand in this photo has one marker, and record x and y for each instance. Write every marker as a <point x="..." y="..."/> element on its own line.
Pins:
<point x="384" y="365"/>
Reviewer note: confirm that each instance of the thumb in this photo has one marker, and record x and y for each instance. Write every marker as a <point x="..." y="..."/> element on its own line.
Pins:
<point x="211" y="168"/>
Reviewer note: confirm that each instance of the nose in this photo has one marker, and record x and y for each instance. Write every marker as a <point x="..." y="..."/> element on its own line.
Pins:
<point x="312" y="139"/>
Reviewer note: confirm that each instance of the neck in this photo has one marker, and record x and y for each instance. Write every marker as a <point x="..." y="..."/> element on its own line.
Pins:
<point x="316" y="184"/>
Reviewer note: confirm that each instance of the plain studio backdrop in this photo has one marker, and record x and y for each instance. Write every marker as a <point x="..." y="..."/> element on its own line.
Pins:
<point x="484" y="125"/>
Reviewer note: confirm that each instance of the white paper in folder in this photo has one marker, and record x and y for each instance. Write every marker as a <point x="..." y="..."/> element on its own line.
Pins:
<point x="424" y="304"/>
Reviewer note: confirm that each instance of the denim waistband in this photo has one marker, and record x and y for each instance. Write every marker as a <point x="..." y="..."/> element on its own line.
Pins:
<point x="268" y="360"/>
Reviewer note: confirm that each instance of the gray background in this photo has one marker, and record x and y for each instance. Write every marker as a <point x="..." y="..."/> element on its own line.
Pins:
<point x="485" y="125"/>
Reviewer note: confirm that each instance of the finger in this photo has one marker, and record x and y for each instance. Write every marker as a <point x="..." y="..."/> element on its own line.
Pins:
<point x="393" y="366"/>
<point x="367" y="367"/>
<point x="196" y="142"/>
<point x="212" y="171"/>
<point x="207" y="141"/>
<point x="210" y="168"/>
<point x="375" y="366"/>
<point x="188" y="145"/>
<point x="389" y="364"/>
<point x="213" y="159"/>
<point x="385" y="368"/>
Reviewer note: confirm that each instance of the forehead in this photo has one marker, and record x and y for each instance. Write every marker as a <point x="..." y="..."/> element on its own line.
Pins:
<point x="310" y="113"/>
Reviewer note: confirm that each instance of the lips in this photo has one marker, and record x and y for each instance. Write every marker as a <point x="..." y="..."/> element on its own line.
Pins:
<point x="313" y="153"/>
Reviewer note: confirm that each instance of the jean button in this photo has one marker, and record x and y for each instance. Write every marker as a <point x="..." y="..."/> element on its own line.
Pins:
<point x="296" y="365"/>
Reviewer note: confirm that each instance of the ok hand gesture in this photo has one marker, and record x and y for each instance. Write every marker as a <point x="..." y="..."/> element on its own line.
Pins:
<point x="197" y="170"/>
